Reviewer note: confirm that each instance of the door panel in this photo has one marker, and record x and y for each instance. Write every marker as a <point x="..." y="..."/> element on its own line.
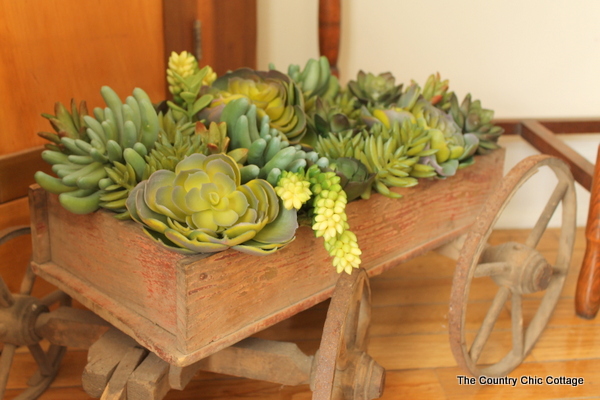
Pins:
<point x="55" y="50"/>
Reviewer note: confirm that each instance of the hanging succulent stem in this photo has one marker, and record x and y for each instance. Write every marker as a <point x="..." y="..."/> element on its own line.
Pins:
<point x="328" y="209"/>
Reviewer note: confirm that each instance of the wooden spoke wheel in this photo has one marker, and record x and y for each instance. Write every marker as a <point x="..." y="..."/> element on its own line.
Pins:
<point x="18" y="315"/>
<point x="343" y="368"/>
<point x="517" y="268"/>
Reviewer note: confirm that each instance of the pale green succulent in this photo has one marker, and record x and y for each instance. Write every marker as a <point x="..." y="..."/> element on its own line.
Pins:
<point x="315" y="81"/>
<point x="202" y="208"/>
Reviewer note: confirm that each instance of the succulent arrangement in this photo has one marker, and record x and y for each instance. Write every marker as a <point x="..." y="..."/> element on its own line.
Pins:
<point x="241" y="160"/>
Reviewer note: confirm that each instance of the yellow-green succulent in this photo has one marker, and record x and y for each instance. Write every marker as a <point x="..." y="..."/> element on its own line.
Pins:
<point x="201" y="207"/>
<point x="273" y="93"/>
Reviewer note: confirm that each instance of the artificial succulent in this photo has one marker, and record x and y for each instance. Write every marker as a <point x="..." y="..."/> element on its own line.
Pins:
<point x="202" y="207"/>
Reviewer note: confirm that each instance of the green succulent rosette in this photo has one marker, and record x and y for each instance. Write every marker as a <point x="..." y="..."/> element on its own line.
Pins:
<point x="273" y="93"/>
<point x="201" y="207"/>
<point x="375" y="90"/>
<point x="355" y="178"/>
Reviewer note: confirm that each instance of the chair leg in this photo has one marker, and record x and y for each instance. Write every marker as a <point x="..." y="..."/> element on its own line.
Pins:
<point x="329" y="31"/>
<point x="587" y="295"/>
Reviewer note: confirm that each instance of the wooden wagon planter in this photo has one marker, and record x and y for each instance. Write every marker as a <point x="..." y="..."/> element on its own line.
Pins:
<point x="164" y="316"/>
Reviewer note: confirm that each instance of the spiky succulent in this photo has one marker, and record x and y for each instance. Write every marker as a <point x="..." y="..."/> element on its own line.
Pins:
<point x="201" y="207"/>
<point x="391" y="154"/>
<point x="65" y="124"/>
<point x="174" y="143"/>
<point x="272" y="92"/>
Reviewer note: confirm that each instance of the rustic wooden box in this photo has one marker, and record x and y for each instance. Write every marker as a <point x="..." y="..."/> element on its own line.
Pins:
<point x="184" y="308"/>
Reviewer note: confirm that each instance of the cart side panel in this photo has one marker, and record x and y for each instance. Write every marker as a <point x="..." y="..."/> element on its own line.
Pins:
<point x="116" y="257"/>
<point x="231" y="292"/>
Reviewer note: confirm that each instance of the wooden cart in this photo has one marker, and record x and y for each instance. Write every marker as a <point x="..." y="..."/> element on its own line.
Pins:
<point x="157" y="317"/>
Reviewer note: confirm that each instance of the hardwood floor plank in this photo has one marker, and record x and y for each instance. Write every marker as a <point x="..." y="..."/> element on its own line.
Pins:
<point x="568" y="343"/>
<point x="412" y="384"/>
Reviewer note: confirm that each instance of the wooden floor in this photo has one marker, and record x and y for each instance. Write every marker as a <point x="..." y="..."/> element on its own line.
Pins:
<point x="409" y="337"/>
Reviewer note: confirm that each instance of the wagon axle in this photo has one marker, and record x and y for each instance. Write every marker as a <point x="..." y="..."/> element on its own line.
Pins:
<point x="17" y="321"/>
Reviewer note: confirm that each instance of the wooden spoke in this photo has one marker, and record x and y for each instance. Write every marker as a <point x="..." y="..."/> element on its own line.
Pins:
<point x="517" y="268"/>
<point x="6" y="298"/>
<point x="53" y="356"/>
<point x="343" y="369"/>
<point x="40" y="358"/>
<point x="488" y="323"/>
<point x="8" y="352"/>
<point x="57" y="296"/>
<point x="542" y="222"/>
<point x="28" y="281"/>
<point x="517" y="324"/>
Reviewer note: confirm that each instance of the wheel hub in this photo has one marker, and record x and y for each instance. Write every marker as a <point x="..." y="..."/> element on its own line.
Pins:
<point x="369" y="378"/>
<point x="526" y="270"/>
<point x="17" y="322"/>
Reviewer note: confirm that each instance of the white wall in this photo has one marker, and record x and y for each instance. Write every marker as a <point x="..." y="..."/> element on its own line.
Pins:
<point x="527" y="58"/>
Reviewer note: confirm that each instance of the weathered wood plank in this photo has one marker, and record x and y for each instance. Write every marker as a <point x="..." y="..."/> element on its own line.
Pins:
<point x="104" y="357"/>
<point x="117" y="385"/>
<point x="150" y="380"/>
<point x="263" y="360"/>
